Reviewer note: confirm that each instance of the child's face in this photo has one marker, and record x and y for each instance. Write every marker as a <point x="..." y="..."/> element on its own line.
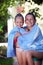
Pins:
<point x="29" y="20"/>
<point x="19" y="22"/>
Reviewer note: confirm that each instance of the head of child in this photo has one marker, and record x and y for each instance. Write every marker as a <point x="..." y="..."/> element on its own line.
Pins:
<point x="30" y="20"/>
<point x="19" y="20"/>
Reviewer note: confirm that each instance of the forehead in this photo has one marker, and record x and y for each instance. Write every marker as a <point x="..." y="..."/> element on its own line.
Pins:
<point x="30" y="16"/>
<point x="19" y="17"/>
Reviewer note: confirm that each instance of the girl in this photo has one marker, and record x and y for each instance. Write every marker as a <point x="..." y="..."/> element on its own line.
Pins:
<point x="31" y="43"/>
<point x="36" y="49"/>
<point x="19" y="21"/>
<point x="13" y="49"/>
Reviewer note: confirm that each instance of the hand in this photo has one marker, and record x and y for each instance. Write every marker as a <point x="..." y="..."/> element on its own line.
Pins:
<point x="17" y="34"/>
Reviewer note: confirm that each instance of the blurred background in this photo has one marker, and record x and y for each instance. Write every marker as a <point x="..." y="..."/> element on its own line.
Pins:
<point x="8" y="10"/>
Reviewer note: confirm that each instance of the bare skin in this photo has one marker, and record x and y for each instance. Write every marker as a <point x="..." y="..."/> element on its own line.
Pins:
<point x="21" y="55"/>
<point x="24" y="58"/>
<point x="31" y="54"/>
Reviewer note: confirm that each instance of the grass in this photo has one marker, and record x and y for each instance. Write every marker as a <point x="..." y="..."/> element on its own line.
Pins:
<point x="3" y="57"/>
<point x="6" y="61"/>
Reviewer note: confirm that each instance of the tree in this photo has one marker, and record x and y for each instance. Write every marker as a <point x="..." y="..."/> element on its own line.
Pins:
<point x="4" y="4"/>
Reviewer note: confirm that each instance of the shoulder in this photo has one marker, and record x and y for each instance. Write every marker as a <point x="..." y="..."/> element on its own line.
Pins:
<point x="36" y="26"/>
<point x="38" y="29"/>
<point x="26" y="28"/>
<point x="15" y="29"/>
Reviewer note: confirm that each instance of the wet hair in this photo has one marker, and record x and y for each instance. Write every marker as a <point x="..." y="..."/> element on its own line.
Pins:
<point x="19" y="15"/>
<point x="32" y="15"/>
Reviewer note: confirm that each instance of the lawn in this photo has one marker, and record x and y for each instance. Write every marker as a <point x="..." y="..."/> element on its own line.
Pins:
<point x="3" y="57"/>
<point x="6" y="61"/>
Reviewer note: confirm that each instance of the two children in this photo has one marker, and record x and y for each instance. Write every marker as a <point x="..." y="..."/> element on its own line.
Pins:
<point x="20" y="35"/>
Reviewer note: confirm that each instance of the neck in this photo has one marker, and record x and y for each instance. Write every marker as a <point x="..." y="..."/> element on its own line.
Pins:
<point x="29" y="28"/>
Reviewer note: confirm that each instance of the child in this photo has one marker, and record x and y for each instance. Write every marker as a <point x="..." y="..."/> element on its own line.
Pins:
<point x="19" y="21"/>
<point x="28" y="17"/>
<point x="17" y="31"/>
<point x="36" y="49"/>
<point x="12" y="38"/>
<point x="32" y="40"/>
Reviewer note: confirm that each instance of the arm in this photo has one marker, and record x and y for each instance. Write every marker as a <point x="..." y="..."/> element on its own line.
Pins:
<point x="17" y="34"/>
<point x="15" y="39"/>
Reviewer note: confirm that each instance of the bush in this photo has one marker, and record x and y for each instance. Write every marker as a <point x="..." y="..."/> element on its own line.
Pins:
<point x="3" y="51"/>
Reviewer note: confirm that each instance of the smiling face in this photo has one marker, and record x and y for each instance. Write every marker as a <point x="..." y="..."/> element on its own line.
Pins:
<point x="19" y="21"/>
<point x="29" y="20"/>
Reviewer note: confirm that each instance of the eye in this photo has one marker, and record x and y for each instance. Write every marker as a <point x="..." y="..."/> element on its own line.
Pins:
<point x="26" y="20"/>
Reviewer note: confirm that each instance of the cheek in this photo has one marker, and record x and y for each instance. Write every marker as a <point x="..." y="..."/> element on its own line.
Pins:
<point x="26" y="22"/>
<point x="32" y="22"/>
<point x="22" y="23"/>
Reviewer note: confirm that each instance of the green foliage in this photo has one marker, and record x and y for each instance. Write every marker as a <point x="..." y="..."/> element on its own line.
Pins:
<point x="38" y="1"/>
<point x="4" y="4"/>
<point x="7" y="61"/>
<point x="35" y="11"/>
<point x="3" y="51"/>
<point x="3" y="18"/>
<point x="3" y="59"/>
